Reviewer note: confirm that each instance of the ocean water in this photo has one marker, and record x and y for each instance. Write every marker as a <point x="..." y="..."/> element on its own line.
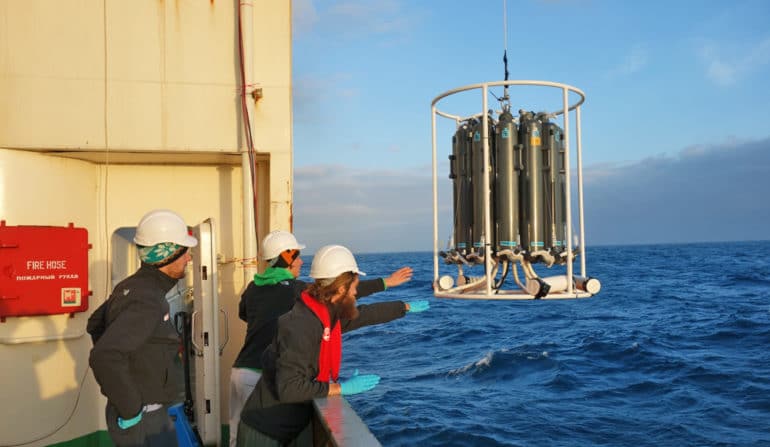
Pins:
<point x="674" y="351"/>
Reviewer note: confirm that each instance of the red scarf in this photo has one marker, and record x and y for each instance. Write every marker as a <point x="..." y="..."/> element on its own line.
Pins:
<point x="330" y="356"/>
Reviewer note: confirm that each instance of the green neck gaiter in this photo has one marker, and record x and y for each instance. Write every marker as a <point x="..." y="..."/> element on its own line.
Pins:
<point x="271" y="276"/>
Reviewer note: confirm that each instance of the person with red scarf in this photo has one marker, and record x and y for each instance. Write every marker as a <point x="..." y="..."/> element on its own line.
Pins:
<point x="303" y="361"/>
<point x="271" y="294"/>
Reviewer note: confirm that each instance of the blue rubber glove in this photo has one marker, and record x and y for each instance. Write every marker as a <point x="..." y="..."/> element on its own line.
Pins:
<point x="418" y="306"/>
<point x="358" y="384"/>
<point x="128" y="423"/>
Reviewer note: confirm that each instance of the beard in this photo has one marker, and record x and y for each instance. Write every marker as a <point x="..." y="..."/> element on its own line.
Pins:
<point x="346" y="309"/>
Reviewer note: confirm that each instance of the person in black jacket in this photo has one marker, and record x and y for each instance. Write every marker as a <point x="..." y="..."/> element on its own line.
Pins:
<point x="303" y="361"/>
<point x="270" y="295"/>
<point x="135" y="342"/>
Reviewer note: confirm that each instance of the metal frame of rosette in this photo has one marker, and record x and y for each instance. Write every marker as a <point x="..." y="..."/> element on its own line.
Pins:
<point x="482" y="252"/>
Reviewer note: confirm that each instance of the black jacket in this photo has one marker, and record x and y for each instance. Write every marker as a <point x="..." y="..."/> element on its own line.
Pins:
<point x="261" y="306"/>
<point x="135" y="343"/>
<point x="280" y="405"/>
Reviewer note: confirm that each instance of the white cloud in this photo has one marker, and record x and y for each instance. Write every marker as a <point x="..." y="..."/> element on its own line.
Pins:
<point x="705" y="193"/>
<point x="304" y="17"/>
<point x="728" y="64"/>
<point x="636" y="59"/>
<point x="355" y="19"/>
<point x="369" y="210"/>
<point x="376" y="16"/>
<point x="312" y="95"/>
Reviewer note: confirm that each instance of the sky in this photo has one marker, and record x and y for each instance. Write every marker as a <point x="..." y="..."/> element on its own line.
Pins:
<point x="675" y="124"/>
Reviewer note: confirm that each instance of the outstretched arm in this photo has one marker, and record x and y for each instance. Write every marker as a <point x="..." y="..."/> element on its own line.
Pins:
<point x="399" y="277"/>
<point x="369" y="286"/>
<point x="376" y="313"/>
<point x="383" y="312"/>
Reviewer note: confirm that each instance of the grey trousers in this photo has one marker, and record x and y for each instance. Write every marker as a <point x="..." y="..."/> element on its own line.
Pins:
<point x="156" y="429"/>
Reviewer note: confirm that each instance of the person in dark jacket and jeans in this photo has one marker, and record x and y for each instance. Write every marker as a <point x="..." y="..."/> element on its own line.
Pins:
<point x="135" y="342"/>
<point x="271" y="294"/>
<point x="303" y="361"/>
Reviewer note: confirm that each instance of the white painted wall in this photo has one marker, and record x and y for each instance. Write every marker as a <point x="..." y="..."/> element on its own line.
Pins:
<point x="109" y="108"/>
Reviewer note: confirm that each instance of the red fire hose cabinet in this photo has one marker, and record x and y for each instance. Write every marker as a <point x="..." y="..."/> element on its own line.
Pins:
<point x="43" y="270"/>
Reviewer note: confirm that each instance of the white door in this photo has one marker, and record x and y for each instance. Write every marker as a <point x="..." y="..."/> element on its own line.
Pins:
<point x="205" y="334"/>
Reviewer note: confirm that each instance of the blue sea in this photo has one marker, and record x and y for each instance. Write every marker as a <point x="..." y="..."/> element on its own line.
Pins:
<point x="674" y="351"/>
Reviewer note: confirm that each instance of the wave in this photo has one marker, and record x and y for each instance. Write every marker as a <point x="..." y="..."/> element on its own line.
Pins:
<point x="756" y="278"/>
<point x="504" y="361"/>
<point x="673" y="351"/>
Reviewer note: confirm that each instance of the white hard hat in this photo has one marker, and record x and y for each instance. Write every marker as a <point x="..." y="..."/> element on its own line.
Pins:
<point x="332" y="260"/>
<point x="278" y="241"/>
<point x="159" y="226"/>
